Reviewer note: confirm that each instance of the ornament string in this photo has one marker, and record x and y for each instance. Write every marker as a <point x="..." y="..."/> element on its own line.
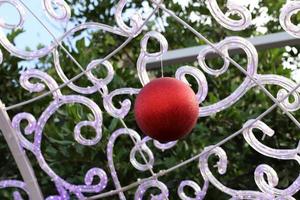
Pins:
<point x="161" y="58"/>
<point x="96" y="85"/>
<point x="161" y="66"/>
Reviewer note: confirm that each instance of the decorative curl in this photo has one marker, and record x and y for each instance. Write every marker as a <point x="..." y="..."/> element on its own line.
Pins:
<point x="288" y="10"/>
<point x="272" y="180"/>
<point x="139" y="194"/>
<point x="199" y="194"/>
<point x="119" y="113"/>
<point x="282" y="154"/>
<point x="287" y="86"/>
<point x="39" y="87"/>
<point x="136" y="20"/>
<point x="233" y="8"/>
<point x="199" y="77"/>
<point x="29" y="129"/>
<point x="19" y="8"/>
<point x="224" y="46"/>
<point x="89" y="178"/>
<point x="64" y="9"/>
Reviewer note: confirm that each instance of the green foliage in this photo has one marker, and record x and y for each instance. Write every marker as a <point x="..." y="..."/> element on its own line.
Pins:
<point x="71" y="160"/>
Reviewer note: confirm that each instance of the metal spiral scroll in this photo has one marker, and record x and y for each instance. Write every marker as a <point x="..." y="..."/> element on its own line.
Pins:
<point x="62" y="13"/>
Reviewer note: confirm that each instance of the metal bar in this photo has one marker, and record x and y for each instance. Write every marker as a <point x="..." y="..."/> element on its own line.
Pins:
<point x="19" y="155"/>
<point x="273" y="40"/>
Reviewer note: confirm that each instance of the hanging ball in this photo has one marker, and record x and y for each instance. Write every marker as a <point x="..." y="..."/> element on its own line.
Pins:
<point x="166" y="109"/>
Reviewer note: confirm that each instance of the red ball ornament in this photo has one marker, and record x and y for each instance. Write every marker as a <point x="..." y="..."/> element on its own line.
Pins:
<point x="166" y="109"/>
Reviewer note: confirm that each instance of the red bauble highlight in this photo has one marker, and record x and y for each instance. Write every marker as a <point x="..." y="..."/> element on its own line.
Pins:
<point x="166" y="109"/>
